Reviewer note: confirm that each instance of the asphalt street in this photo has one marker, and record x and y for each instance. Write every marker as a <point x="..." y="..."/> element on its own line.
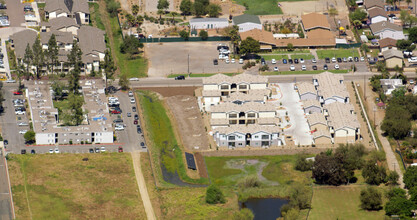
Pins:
<point x="360" y="66"/>
<point x="5" y="202"/>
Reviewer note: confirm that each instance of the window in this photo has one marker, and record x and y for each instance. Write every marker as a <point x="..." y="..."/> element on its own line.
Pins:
<point x="251" y="115"/>
<point x="265" y="136"/>
<point x="224" y="87"/>
<point x="243" y="86"/>
<point x="240" y="144"/>
<point x="232" y="115"/>
<point x="256" y="136"/>
<point x="231" y="138"/>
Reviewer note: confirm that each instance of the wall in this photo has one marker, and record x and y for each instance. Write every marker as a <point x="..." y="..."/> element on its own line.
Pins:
<point x="308" y="96"/>
<point x="322" y="140"/>
<point x="391" y="63"/>
<point x="397" y="35"/>
<point x="258" y="86"/>
<point x="211" y="101"/>
<point x="378" y="19"/>
<point x="210" y="87"/>
<point x="209" y="25"/>
<point x="249" y="26"/>
<point x="312" y="109"/>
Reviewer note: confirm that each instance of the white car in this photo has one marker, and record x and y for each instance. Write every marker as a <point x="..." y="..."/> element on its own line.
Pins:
<point x="132" y="100"/>
<point x="134" y="79"/>
<point x="51" y="151"/>
<point x="119" y="128"/>
<point x="130" y="94"/>
<point x="303" y="67"/>
<point x="23" y="124"/>
<point x="336" y="66"/>
<point x="334" y="60"/>
<point x="274" y="61"/>
<point x="314" y="60"/>
<point x="56" y="151"/>
<point x="10" y="81"/>
<point x="362" y="59"/>
<point x="301" y="60"/>
<point x="233" y="61"/>
<point x="276" y="69"/>
<point x="412" y="60"/>
<point x="20" y="112"/>
<point x="103" y="149"/>
<point x="113" y="99"/>
<point x="240" y="61"/>
<point x="227" y="60"/>
<point x="23" y="131"/>
<point x="292" y="68"/>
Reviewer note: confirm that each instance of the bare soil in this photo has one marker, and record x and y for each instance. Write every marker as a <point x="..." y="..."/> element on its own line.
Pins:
<point x="199" y="159"/>
<point x="170" y="91"/>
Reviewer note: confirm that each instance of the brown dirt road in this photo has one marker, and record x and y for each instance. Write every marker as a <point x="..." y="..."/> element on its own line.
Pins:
<point x="142" y="186"/>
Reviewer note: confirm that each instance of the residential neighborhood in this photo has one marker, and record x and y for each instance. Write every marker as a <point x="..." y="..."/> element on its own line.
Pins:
<point x="208" y="109"/>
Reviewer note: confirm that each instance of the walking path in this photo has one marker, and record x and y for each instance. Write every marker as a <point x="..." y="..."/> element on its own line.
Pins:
<point x="142" y="186"/>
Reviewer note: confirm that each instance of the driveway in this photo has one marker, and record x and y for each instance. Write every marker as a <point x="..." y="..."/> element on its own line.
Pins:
<point x="172" y="58"/>
<point x="299" y="129"/>
<point x="15" y="12"/>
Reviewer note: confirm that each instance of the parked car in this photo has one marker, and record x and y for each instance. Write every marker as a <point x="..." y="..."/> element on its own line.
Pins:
<point x="27" y="8"/>
<point x="240" y="61"/>
<point x="3" y="6"/>
<point x="130" y="94"/>
<point x="356" y="59"/>
<point x="56" y="150"/>
<point x="180" y="77"/>
<point x="103" y="149"/>
<point x="232" y="60"/>
<point x="339" y="60"/>
<point x="314" y="67"/>
<point x="345" y="59"/>
<point x="325" y="67"/>
<point x="303" y="68"/>
<point x="119" y="128"/>
<point x="227" y="61"/>
<point x="215" y="62"/>
<point x="115" y="112"/>
<point x="120" y="150"/>
<point x="51" y="151"/>
<point x="290" y="61"/>
<point x="23" y="151"/>
<point x="20" y="112"/>
<point x="138" y="129"/>
<point x="327" y="60"/>
<point x="136" y="117"/>
<point x="132" y="100"/>
<point x="129" y="114"/>
<point x="142" y="144"/>
<point x="336" y="66"/>
<point x="97" y="150"/>
<point x="350" y="59"/>
<point x="135" y="122"/>
<point x="91" y="150"/>
<point x="119" y="120"/>
<point x="274" y="61"/>
<point x="23" y="124"/>
<point x="134" y="109"/>
<point x="33" y="151"/>
<point x="412" y="60"/>
<point x="276" y="69"/>
<point x="10" y="81"/>
<point x="263" y="61"/>
<point x="334" y="59"/>
<point x="301" y="60"/>
<point x="362" y="59"/>
<point x="292" y="68"/>
<point x="313" y="60"/>
<point x="5" y="142"/>
<point x="284" y="61"/>
<point x="17" y="93"/>
<point x="296" y="61"/>
<point x="134" y="79"/>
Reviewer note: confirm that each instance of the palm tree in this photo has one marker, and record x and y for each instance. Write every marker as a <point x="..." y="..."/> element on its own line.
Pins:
<point x="135" y="9"/>
<point x="160" y="13"/>
<point x="173" y="14"/>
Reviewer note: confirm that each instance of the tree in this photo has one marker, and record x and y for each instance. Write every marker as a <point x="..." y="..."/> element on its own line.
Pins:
<point x="38" y="57"/>
<point x="357" y="23"/>
<point x="249" y="45"/>
<point x="52" y="53"/>
<point x="359" y="14"/>
<point x="74" y="114"/>
<point x="186" y="7"/>
<point x="74" y="61"/>
<point x="130" y="45"/>
<point x="160" y="12"/>
<point x="29" y="136"/>
<point x="243" y="214"/>
<point x="291" y="214"/>
<point x="327" y="170"/>
<point x="163" y="4"/>
<point x="108" y="66"/>
<point x="290" y="47"/>
<point x="27" y="60"/>
<point x="203" y="34"/>
<point x="371" y="199"/>
<point x="396" y="192"/>
<point x="214" y="195"/>
<point x="214" y="10"/>
<point x="399" y="206"/>
<point x="233" y="33"/>
<point x="373" y="173"/>
<point x="350" y="156"/>
<point x="392" y="178"/>
<point x="173" y="14"/>
<point x="300" y="196"/>
<point x="199" y="8"/>
<point x="124" y="82"/>
<point x="412" y="34"/>
<point x="410" y="177"/>
<point x="112" y="7"/>
<point x="184" y="34"/>
<point x="413" y="194"/>
<point x="135" y="9"/>
<point x="57" y="88"/>
<point x="302" y="164"/>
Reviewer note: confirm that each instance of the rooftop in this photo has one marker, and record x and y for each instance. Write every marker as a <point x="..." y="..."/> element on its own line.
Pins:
<point x="252" y="95"/>
<point x="331" y="85"/>
<point x="341" y="115"/>
<point x="60" y="22"/>
<point x="22" y="39"/>
<point x="321" y="133"/>
<point x="245" y="129"/>
<point x="383" y="25"/>
<point x="195" y="20"/>
<point x="311" y="102"/>
<point x="374" y="3"/>
<point x="238" y="79"/>
<point x="68" y="6"/>
<point x="246" y="18"/>
<point x="392" y="53"/>
<point x="316" y="118"/>
<point x="245" y="107"/>
<point x="387" y="42"/>
<point x="315" y="20"/>
<point x="60" y="36"/>
<point x="377" y="12"/>
<point x="262" y="36"/>
<point x="306" y="87"/>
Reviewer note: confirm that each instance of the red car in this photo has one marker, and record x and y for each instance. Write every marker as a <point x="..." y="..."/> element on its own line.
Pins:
<point x="135" y="122"/>
<point x="18" y="93"/>
<point x="120" y="149"/>
<point x="115" y="112"/>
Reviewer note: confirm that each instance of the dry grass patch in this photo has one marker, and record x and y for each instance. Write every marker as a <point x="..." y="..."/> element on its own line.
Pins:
<point x="63" y="186"/>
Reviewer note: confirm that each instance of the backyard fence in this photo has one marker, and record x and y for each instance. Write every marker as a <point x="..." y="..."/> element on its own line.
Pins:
<point x="180" y="39"/>
<point x="348" y="45"/>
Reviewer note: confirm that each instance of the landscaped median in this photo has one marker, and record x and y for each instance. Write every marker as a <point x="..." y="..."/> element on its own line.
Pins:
<point x="337" y="53"/>
<point x="164" y="149"/>
<point x="299" y="72"/>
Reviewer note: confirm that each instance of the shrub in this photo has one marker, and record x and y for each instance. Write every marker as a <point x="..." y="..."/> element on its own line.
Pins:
<point x="264" y="68"/>
<point x="300" y="196"/>
<point x="302" y="164"/>
<point x="243" y="214"/>
<point x="214" y="195"/>
<point x="371" y="199"/>
<point x="249" y="182"/>
<point x="70" y="142"/>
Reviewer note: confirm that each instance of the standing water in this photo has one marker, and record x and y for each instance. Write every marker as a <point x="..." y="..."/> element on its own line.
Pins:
<point x="265" y="209"/>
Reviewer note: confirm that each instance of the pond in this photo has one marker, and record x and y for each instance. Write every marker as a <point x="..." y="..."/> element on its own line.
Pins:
<point x="265" y="209"/>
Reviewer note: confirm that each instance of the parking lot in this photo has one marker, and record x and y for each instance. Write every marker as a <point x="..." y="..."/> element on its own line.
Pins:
<point x="173" y="58"/>
<point x="360" y="65"/>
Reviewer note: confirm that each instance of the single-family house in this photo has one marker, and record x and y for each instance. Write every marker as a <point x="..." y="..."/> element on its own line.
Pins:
<point x="208" y="23"/>
<point x="370" y="4"/>
<point x="377" y="14"/>
<point x="247" y="22"/>
<point x="343" y="122"/>
<point x="306" y="91"/>
<point x="76" y="9"/>
<point x="312" y="106"/>
<point x="389" y="85"/>
<point x="330" y="88"/>
<point x="317" y="121"/>
<point x="393" y="58"/>
<point x="387" y="43"/>
<point x="314" y="21"/>
<point x="64" y="24"/>
<point x="386" y="29"/>
<point x="322" y="137"/>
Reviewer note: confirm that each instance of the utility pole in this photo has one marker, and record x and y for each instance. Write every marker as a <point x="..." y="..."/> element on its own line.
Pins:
<point x="188" y="65"/>
<point x="364" y="87"/>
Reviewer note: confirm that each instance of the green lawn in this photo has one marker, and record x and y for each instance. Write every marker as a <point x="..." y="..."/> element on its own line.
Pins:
<point x="164" y="145"/>
<point x="303" y="72"/>
<point x="278" y="169"/>
<point x="261" y="7"/>
<point x="340" y="203"/>
<point x="95" y="16"/>
<point x="63" y="186"/>
<point x="337" y="53"/>
<point x="303" y="56"/>
<point x="131" y="67"/>
<point x="289" y="52"/>
<point x="276" y="57"/>
<point x="41" y="5"/>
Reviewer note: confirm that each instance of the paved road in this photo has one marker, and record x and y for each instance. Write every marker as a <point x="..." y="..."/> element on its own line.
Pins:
<point x="142" y="186"/>
<point x="5" y="202"/>
<point x="15" y="12"/>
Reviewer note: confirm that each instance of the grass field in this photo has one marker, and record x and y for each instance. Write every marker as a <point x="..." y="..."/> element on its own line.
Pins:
<point x="63" y="186"/>
<point x="304" y="56"/>
<point x="277" y="57"/>
<point x="164" y="145"/>
<point x="95" y="16"/>
<point x="131" y="67"/>
<point x="289" y="52"/>
<point x="337" y="53"/>
<point x="303" y="72"/>
<point x="340" y="203"/>
<point x="261" y="7"/>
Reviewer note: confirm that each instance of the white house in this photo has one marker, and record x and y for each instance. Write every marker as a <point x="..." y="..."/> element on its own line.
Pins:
<point x="386" y="29"/>
<point x="247" y="22"/>
<point x="389" y="85"/>
<point x="387" y="43"/>
<point x="307" y="91"/>
<point x="208" y="23"/>
<point x="330" y="88"/>
<point x="377" y="14"/>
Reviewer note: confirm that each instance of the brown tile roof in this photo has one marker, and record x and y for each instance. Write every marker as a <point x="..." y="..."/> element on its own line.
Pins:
<point x="320" y="34"/>
<point x="315" y="20"/>
<point x="387" y="42"/>
<point x="262" y="36"/>
<point x="311" y="102"/>
<point x="245" y="107"/>
<point x="374" y="3"/>
<point x="240" y="78"/>
<point x="61" y="6"/>
<point x="377" y="12"/>
<point x="321" y="133"/>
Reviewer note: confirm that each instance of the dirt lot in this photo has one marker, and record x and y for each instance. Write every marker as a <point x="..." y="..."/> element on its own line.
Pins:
<point x="189" y="121"/>
<point x="168" y="92"/>
<point x="172" y="58"/>
<point x="293" y="8"/>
